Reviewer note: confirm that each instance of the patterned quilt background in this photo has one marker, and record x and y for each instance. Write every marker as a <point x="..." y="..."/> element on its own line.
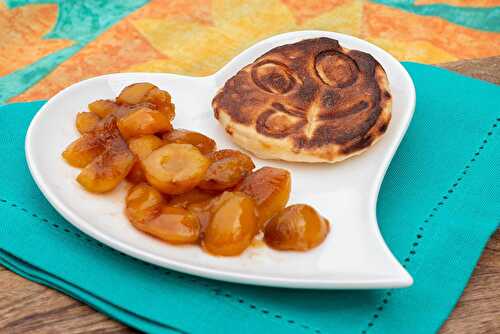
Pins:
<point x="46" y="45"/>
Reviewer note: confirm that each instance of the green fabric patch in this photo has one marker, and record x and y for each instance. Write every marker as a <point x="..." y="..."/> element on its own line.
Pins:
<point x="487" y="19"/>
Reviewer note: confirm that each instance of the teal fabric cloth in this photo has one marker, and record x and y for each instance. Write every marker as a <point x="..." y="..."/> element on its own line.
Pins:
<point x="438" y="206"/>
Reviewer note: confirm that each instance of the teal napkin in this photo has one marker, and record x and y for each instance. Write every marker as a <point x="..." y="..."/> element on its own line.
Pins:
<point x="438" y="205"/>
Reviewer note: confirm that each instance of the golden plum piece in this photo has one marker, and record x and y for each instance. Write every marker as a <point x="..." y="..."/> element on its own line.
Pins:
<point x="106" y="171"/>
<point x="136" y="174"/>
<point x="175" y="168"/>
<point x="181" y="136"/>
<point x="298" y="227"/>
<point x="270" y="189"/>
<point x="174" y="225"/>
<point x="232" y="226"/>
<point x="162" y="100"/>
<point x="143" y="203"/>
<point x="202" y="210"/>
<point x="86" y="122"/>
<point x="227" y="169"/>
<point x="158" y="97"/>
<point x="82" y="151"/>
<point x="134" y="93"/>
<point x="85" y="149"/>
<point x="147" y="93"/>
<point x="168" y="110"/>
<point x="103" y="108"/>
<point x="143" y="121"/>
<point x="142" y="147"/>
<point x="193" y="196"/>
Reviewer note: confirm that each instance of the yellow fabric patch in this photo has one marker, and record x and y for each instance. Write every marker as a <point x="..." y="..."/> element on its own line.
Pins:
<point x="196" y="48"/>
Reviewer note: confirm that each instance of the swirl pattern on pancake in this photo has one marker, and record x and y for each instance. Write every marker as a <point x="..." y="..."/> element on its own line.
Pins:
<point x="311" y="101"/>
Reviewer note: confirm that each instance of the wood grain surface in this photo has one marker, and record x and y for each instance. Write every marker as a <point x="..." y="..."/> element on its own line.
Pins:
<point x="27" y="307"/>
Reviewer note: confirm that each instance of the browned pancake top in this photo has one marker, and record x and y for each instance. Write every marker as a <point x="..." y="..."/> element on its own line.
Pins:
<point x="313" y="91"/>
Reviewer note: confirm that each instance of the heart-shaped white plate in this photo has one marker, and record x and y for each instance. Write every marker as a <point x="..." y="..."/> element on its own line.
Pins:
<point x="353" y="256"/>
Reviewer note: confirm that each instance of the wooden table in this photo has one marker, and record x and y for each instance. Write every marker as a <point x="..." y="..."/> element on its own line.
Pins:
<point x="27" y="307"/>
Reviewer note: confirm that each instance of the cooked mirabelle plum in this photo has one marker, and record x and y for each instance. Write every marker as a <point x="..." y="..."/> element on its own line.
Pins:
<point x="227" y="169"/>
<point x="146" y="92"/>
<point x="143" y="121"/>
<point x="86" y="122"/>
<point x="143" y="203"/>
<point x="202" y="210"/>
<point x="175" y="168"/>
<point x="82" y="151"/>
<point x="158" y="97"/>
<point x="135" y="93"/>
<point x="270" y="189"/>
<point x="174" y="225"/>
<point x="298" y="227"/>
<point x="193" y="196"/>
<point x="103" y="108"/>
<point x="136" y="174"/>
<point x="181" y="136"/>
<point x="142" y="147"/>
<point x="107" y="170"/>
<point x="232" y="225"/>
<point x="86" y="148"/>
<point x="161" y="99"/>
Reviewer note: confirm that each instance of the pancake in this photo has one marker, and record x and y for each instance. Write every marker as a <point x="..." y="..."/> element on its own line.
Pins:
<point x="311" y="101"/>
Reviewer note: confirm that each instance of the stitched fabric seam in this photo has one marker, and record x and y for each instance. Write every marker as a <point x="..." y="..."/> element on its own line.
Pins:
<point x="219" y="292"/>
<point x="214" y="288"/>
<point x="420" y="231"/>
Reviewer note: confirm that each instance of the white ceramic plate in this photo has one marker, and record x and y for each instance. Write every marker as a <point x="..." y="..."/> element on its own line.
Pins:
<point x="353" y="256"/>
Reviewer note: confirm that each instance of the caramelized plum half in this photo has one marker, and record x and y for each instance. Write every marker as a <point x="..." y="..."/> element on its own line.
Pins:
<point x="82" y="151"/>
<point x="85" y="149"/>
<point x="144" y="121"/>
<point x="175" y="168"/>
<point x="227" y="169"/>
<point x="86" y="122"/>
<point x="298" y="227"/>
<point x="146" y="92"/>
<point x="142" y="203"/>
<point x="181" y="136"/>
<point x="107" y="170"/>
<point x="193" y="196"/>
<point x="103" y="108"/>
<point x="232" y="225"/>
<point x="142" y="147"/>
<point x="174" y="225"/>
<point x="270" y="189"/>
<point x="135" y="93"/>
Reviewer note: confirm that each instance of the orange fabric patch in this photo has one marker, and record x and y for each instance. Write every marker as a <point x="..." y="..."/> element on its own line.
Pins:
<point x="114" y="51"/>
<point x="117" y="50"/>
<point x="196" y="10"/>
<point x="304" y="10"/>
<point x="391" y="24"/>
<point x="22" y="31"/>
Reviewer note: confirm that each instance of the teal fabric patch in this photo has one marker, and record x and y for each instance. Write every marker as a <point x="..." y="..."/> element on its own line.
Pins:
<point x="437" y="208"/>
<point x="487" y="19"/>
<point x="79" y="21"/>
